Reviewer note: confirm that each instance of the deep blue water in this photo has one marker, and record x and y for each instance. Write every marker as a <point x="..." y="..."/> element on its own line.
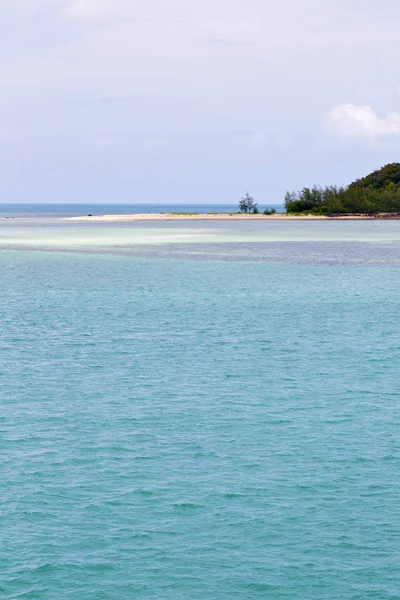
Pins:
<point x="175" y="428"/>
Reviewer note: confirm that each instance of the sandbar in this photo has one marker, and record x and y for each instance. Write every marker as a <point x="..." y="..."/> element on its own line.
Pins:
<point x="228" y="217"/>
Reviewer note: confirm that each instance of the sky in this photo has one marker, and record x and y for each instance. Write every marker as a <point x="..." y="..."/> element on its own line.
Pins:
<point x="180" y="101"/>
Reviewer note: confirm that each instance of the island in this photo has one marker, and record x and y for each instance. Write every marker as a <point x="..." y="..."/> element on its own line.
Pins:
<point x="376" y="196"/>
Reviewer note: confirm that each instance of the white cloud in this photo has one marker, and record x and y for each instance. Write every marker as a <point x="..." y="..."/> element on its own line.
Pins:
<point x="351" y="120"/>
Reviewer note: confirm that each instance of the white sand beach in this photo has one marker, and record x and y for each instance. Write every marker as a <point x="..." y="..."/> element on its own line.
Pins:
<point x="224" y="217"/>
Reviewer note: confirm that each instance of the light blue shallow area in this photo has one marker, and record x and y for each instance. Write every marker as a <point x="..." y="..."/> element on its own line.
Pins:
<point x="183" y="429"/>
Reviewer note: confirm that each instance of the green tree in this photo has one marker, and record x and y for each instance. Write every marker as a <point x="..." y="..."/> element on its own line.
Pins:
<point x="247" y="204"/>
<point x="379" y="192"/>
<point x="290" y="197"/>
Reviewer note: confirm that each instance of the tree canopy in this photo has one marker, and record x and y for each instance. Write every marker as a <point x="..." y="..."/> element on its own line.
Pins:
<point x="378" y="192"/>
<point x="247" y="204"/>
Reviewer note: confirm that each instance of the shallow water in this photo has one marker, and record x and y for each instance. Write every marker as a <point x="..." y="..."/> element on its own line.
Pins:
<point x="218" y="428"/>
<point x="331" y="242"/>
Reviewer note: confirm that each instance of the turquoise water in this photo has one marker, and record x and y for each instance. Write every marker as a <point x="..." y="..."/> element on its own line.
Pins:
<point x="206" y="419"/>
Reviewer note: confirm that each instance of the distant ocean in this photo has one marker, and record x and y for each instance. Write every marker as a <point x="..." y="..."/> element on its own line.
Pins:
<point x="69" y="210"/>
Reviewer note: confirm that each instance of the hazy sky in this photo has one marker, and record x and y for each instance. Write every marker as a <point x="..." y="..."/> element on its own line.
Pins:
<point x="189" y="101"/>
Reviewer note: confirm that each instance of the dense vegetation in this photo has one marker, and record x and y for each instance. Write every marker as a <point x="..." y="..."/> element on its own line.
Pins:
<point x="379" y="192"/>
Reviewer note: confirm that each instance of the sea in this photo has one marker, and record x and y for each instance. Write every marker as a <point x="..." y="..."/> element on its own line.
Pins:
<point x="198" y="410"/>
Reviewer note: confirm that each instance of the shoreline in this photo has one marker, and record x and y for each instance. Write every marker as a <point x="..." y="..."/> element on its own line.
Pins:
<point x="231" y="217"/>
